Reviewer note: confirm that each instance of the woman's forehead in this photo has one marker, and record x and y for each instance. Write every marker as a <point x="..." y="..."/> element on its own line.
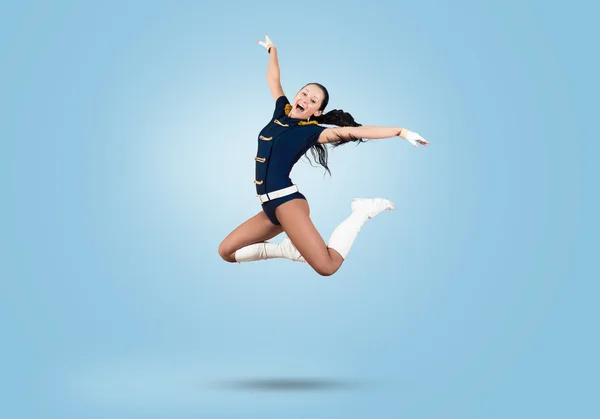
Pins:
<point x="313" y="91"/>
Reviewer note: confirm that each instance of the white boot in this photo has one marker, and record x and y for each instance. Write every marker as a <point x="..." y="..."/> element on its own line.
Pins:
<point x="289" y="251"/>
<point x="345" y="233"/>
<point x="268" y="250"/>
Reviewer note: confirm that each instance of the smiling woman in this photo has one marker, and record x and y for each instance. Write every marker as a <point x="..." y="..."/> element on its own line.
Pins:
<point x="294" y="129"/>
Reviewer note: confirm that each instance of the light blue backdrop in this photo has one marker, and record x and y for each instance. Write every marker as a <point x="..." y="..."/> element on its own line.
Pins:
<point x="128" y="132"/>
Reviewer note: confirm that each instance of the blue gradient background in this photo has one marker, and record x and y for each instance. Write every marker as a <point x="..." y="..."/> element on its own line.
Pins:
<point x="127" y="143"/>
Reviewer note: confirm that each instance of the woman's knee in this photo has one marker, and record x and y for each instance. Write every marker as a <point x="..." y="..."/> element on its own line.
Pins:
<point x="226" y="253"/>
<point x="326" y="268"/>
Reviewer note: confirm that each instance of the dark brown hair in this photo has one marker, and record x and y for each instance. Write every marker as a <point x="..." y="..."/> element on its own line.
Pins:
<point x="334" y="117"/>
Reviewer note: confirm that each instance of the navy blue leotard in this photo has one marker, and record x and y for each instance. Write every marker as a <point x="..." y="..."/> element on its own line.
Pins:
<point x="281" y="143"/>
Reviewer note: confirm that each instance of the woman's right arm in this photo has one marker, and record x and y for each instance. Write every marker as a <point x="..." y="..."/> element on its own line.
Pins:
<point x="273" y="73"/>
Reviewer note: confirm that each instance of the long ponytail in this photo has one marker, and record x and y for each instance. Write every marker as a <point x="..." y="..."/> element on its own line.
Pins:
<point x="335" y="117"/>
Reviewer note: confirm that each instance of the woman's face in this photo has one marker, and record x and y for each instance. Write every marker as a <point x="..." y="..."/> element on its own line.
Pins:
<point x="307" y="102"/>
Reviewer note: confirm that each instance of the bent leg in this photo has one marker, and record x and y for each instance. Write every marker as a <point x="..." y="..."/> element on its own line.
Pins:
<point x="327" y="259"/>
<point x="254" y="230"/>
<point x="295" y="220"/>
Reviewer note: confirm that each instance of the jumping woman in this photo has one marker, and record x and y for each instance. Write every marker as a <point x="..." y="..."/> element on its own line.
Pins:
<point x="294" y="129"/>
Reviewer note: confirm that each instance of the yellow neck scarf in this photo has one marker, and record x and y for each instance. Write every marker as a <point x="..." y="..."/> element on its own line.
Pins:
<point x="288" y="109"/>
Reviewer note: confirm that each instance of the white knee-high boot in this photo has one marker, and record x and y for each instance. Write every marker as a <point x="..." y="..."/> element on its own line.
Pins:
<point x="345" y="233"/>
<point x="268" y="250"/>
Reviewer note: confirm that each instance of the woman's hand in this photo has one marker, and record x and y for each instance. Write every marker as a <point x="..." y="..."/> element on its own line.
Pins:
<point x="412" y="137"/>
<point x="267" y="43"/>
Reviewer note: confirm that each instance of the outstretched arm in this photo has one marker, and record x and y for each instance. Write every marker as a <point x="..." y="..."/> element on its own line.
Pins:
<point x="273" y="78"/>
<point x="331" y="135"/>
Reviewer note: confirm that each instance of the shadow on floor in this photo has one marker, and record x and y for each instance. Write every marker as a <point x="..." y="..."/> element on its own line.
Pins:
<point x="286" y="384"/>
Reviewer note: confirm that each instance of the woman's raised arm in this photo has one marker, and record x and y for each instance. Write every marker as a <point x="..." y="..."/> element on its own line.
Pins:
<point x="273" y="73"/>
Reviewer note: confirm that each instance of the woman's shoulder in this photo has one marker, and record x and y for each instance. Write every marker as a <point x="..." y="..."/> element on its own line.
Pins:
<point x="282" y="101"/>
<point x="310" y="131"/>
<point x="282" y="98"/>
<point x="282" y="106"/>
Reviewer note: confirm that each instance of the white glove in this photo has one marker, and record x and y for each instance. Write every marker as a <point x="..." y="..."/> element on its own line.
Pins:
<point x="413" y="138"/>
<point x="267" y="43"/>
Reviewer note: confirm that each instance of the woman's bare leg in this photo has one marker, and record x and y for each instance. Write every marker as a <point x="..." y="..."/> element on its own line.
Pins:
<point x="295" y="220"/>
<point x="326" y="259"/>
<point x="254" y="230"/>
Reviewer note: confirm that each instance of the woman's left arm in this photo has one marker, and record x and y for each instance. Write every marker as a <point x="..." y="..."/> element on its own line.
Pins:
<point x="332" y="135"/>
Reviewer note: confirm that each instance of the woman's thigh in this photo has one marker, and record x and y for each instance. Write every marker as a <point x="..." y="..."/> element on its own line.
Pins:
<point x="295" y="220"/>
<point x="256" y="229"/>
